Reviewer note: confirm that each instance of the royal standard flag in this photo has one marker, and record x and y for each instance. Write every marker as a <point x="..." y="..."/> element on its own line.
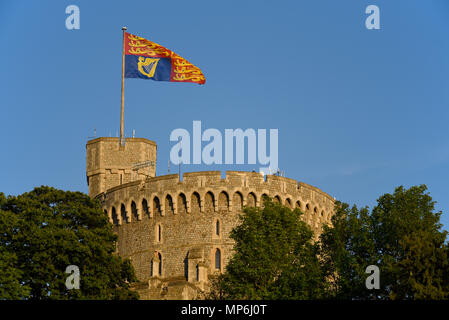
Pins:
<point x="148" y="60"/>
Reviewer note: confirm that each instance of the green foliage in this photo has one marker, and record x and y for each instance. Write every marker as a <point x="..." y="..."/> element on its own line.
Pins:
<point x="402" y="236"/>
<point x="275" y="257"/>
<point x="10" y="275"/>
<point x="44" y="231"/>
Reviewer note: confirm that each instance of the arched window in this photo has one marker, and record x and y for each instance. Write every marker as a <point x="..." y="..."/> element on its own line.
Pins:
<point x="169" y="204"/>
<point x="251" y="202"/>
<point x="209" y="201"/>
<point x="157" y="206"/>
<point x="217" y="259"/>
<point x="135" y="215"/>
<point x="263" y="199"/>
<point x="123" y="213"/>
<point x="237" y="200"/>
<point x="182" y="203"/>
<point x="195" y="202"/>
<point x="145" y="208"/>
<point x="114" y="217"/>
<point x="156" y="264"/>
<point x="223" y="201"/>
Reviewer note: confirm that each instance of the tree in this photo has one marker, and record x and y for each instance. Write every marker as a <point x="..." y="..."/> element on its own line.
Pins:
<point x="402" y="236"/>
<point x="274" y="257"/>
<point x="44" y="231"/>
<point x="347" y="249"/>
<point x="10" y="275"/>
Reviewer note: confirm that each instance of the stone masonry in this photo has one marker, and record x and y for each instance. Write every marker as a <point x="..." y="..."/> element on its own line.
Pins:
<point x="176" y="231"/>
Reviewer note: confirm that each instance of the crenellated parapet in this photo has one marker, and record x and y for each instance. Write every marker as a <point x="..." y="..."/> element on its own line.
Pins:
<point x="176" y="230"/>
<point x="208" y="190"/>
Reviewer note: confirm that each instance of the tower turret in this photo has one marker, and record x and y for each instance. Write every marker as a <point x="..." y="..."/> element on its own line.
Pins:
<point x="110" y="165"/>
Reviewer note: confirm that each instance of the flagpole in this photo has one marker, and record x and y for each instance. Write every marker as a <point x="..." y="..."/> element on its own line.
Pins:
<point x="122" y="114"/>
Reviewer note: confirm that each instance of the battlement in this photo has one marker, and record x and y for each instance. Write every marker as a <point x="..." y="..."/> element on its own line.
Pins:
<point x="109" y="164"/>
<point x="235" y="179"/>
<point x="176" y="231"/>
<point x="249" y="187"/>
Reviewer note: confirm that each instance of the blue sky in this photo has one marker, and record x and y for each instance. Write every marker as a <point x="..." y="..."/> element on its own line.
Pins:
<point x="359" y="111"/>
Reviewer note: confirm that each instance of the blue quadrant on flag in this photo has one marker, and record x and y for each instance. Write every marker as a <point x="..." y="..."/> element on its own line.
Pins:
<point x="158" y="69"/>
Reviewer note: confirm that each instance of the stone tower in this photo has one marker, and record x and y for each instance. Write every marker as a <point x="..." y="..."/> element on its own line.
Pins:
<point x="176" y="232"/>
<point x="110" y="165"/>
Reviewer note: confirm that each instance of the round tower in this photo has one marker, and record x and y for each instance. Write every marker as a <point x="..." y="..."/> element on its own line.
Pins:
<point x="176" y="232"/>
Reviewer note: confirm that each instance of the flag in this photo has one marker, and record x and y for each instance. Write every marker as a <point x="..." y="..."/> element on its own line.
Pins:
<point x="148" y="60"/>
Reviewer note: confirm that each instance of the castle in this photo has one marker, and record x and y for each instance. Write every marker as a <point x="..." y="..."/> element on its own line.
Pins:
<point x="175" y="231"/>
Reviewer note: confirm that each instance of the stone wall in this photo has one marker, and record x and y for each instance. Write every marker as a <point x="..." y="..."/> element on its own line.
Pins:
<point x="109" y="164"/>
<point x="176" y="232"/>
<point x="163" y="218"/>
